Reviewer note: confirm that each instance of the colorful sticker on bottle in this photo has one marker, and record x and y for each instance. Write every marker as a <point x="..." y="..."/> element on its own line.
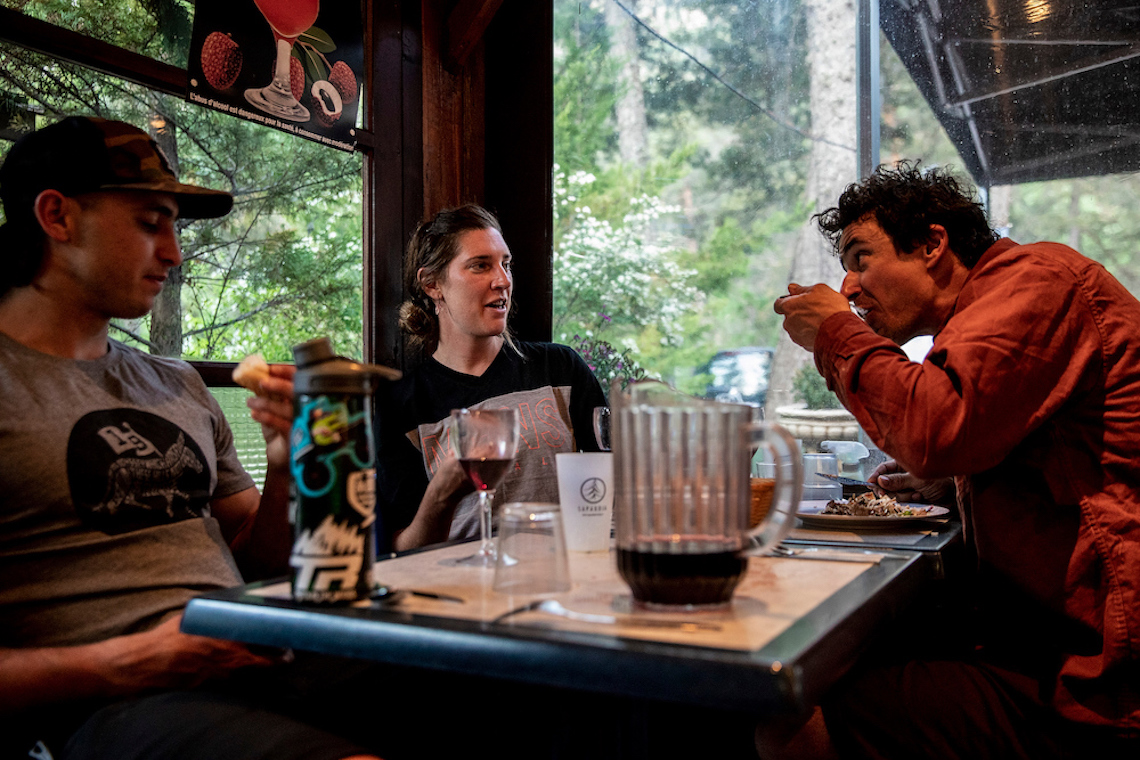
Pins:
<point x="326" y="431"/>
<point x="327" y="561"/>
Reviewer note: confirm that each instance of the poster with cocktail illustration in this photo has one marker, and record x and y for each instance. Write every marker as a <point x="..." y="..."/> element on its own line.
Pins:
<point x="295" y="65"/>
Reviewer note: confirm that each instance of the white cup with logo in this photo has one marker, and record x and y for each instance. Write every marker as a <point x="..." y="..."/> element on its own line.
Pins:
<point x="586" y="494"/>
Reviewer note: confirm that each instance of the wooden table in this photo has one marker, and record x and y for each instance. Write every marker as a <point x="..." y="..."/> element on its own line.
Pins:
<point x="795" y="625"/>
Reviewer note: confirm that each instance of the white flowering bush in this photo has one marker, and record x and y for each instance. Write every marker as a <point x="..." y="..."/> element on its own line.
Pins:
<point x="619" y="280"/>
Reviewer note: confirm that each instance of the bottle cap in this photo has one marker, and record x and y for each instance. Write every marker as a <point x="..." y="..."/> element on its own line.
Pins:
<point x="319" y="371"/>
<point x="312" y="352"/>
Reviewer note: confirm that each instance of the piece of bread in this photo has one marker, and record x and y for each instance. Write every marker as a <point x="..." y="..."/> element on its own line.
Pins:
<point x="251" y="371"/>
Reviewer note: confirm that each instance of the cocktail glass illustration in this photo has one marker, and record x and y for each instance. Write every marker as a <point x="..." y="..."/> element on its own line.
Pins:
<point x="288" y="19"/>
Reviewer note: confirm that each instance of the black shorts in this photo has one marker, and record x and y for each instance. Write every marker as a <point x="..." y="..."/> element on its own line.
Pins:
<point x="305" y="711"/>
<point x="199" y="725"/>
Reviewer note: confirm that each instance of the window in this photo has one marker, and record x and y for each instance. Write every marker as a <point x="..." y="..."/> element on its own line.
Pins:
<point x="683" y="146"/>
<point x="1036" y="102"/>
<point x="694" y="139"/>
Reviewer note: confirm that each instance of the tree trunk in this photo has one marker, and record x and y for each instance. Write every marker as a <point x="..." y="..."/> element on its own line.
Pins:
<point x="831" y="63"/>
<point x="166" y="316"/>
<point x="1075" y="215"/>
<point x="1001" y="201"/>
<point x="631" y="124"/>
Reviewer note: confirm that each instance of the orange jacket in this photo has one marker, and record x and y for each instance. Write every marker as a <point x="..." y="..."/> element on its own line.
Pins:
<point x="1030" y="397"/>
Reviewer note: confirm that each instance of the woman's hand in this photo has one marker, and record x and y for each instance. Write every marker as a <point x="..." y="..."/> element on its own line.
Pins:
<point x="432" y="522"/>
<point x="450" y="483"/>
<point x="890" y="479"/>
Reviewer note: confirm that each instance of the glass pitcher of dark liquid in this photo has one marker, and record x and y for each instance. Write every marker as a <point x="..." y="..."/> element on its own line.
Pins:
<point x="682" y="498"/>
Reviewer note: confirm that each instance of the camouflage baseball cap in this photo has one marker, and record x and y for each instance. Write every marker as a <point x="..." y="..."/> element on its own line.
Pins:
<point x="83" y="154"/>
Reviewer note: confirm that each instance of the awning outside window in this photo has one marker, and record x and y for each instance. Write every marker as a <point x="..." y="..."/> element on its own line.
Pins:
<point x="1028" y="90"/>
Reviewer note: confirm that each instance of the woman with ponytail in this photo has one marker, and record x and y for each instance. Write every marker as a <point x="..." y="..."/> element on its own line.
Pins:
<point x="458" y="277"/>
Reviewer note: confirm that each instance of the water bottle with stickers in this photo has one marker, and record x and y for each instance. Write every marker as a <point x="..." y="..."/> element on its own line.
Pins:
<point x="332" y="456"/>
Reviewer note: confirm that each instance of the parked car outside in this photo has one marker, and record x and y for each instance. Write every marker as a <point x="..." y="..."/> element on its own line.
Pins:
<point x="740" y="375"/>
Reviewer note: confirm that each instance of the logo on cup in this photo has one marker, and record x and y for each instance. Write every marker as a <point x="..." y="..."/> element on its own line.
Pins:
<point x="593" y="490"/>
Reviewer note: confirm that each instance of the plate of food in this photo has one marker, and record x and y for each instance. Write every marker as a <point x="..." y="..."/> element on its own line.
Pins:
<point x="866" y="510"/>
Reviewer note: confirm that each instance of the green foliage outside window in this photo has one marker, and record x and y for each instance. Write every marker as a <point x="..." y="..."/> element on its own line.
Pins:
<point x="684" y="252"/>
<point x="159" y="29"/>
<point x="809" y="388"/>
<point x="728" y="148"/>
<point x="622" y="276"/>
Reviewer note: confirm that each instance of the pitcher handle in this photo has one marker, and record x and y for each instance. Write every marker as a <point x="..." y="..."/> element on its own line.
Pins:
<point x="781" y="517"/>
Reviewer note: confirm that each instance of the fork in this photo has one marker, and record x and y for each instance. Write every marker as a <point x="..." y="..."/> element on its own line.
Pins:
<point x="555" y="608"/>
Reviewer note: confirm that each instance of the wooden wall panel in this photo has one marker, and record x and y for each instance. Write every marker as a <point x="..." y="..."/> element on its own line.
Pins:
<point x="393" y="181"/>
<point x="453" y="127"/>
<point x="520" y="152"/>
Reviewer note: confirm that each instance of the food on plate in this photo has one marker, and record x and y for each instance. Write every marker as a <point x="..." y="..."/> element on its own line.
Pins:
<point x="869" y="505"/>
<point x="250" y="371"/>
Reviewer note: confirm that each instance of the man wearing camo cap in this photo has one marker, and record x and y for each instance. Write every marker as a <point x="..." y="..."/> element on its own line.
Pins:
<point x="121" y="495"/>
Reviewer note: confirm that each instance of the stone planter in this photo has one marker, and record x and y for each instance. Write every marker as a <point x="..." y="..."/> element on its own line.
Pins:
<point x="814" y="425"/>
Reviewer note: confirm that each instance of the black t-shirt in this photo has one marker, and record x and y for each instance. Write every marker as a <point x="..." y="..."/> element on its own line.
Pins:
<point x="551" y="386"/>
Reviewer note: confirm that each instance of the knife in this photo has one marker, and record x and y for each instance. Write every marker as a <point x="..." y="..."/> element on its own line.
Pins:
<point x="846" y="481"/>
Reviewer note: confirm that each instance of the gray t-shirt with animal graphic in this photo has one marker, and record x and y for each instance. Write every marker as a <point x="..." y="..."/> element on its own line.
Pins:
<point x="107" y="469"/>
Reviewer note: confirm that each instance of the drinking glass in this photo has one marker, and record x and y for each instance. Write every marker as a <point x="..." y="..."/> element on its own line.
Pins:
<point x="586" y="496"/>
<point x="532" y="550"/>
<point x="288" y="19"/>
<point x="763" y="486"/>
<point x="485" y="441"/>
<point x="816" y="486"/>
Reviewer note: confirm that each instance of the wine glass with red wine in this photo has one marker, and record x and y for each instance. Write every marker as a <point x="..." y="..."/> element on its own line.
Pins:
<point x="485" y="441"/>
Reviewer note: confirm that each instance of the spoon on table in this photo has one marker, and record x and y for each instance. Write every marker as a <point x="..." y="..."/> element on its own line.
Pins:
<point x="555" y="608"/>
<point x="391" y="594"/>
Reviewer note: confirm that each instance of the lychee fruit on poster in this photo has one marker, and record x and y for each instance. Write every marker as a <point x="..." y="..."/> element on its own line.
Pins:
<point x="295" y="65"/>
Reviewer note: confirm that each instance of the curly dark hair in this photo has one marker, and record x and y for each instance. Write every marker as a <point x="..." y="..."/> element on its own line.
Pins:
<point x="905" y="201"/>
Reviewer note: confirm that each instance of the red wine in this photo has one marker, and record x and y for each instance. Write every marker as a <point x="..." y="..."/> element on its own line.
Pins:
<point x="485" y="473"/>
<point x="681" y="578"/>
